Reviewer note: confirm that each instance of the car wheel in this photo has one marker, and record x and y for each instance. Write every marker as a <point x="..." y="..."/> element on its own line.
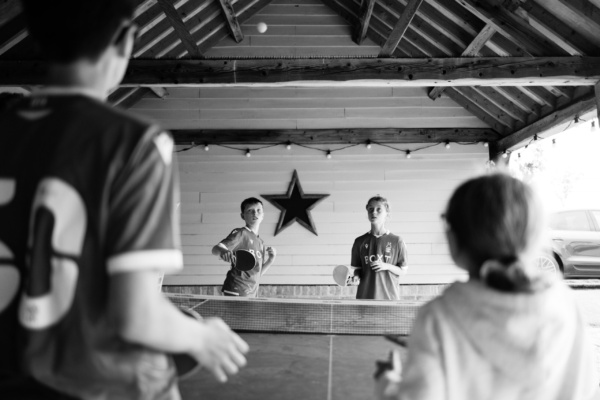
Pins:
<point x="548" y="264"/>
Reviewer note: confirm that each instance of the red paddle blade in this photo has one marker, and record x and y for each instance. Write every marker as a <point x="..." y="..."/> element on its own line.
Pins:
<point x="244" y="260"/>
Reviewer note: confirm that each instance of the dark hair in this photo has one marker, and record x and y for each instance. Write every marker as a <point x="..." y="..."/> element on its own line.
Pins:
<point x="70" y="30"/>
<point x="496" y="217"/>
<point x="248" y="202"/>
<point x="381" y="200"/>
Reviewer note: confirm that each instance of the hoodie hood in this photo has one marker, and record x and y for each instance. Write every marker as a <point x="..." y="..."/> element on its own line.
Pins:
<point x="523" y="335"/>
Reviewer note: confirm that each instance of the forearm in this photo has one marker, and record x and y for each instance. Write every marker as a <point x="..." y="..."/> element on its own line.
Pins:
<point x="266" y="265"/>
<point x="396" y="270"/>
<point x="218" y="250"/>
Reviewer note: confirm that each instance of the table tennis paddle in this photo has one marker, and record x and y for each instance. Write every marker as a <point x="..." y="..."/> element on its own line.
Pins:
<point x="185" y="364"/>
<point x="244" y="260"/>
<point x="343" y="275"/>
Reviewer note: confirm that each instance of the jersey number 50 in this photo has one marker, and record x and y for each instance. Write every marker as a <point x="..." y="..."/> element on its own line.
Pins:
<point x="56" y="235"/>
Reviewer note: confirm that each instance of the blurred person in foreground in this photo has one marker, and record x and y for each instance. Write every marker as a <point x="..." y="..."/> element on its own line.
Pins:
<point x="88" y="220"/>
<point x="510" y="332"/>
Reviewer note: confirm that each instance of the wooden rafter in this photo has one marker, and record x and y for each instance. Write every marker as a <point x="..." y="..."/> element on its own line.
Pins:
<point x="503" y="102"/>
<point x="180" y="29"/>
<point x="232" y="21"/>
<point x="582" y="106"/>
<point x="329" y="136"/>
<point x="565" y="36"/>
<point x="585" y="14"/>
<point x="512" y="26"/>
<point x="597" y="98"/>
<point x="497" y="113"/>
<point x="475" y="109"/>
<point x="471" y="51"/>
<point x="489" y="71"/>
<point x="366" y="10"/>
<point x="400" y="28"/>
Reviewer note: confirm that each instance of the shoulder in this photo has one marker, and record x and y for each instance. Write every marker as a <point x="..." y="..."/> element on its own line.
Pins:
<point x="395" y="238"/>
<point x="238" y="232"/>
<point x="362" y="238"/>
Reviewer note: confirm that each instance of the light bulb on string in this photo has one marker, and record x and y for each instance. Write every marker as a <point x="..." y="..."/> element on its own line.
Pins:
<point x="288" y="145"/>
<point x="485" y="143"/>
<point x="368" y="144"/>
<point x="577" y="119"/>
<point x="594" y="127"/>
<point x="504" y="154"/>
<point x="447" y="144"/>
<point x="206" y="148"/>
<point x="328" y="154"/>
<point x="248" y="154"/>
<point x="408" y="154"/>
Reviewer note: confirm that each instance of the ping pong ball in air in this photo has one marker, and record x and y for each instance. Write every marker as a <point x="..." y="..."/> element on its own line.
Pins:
<point x="261" y="27"/>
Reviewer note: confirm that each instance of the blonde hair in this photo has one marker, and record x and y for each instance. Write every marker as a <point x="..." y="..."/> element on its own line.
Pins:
<point x="497" y="218"/>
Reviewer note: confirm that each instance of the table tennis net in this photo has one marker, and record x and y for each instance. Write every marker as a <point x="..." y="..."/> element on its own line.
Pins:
<point x="350" y="317"/>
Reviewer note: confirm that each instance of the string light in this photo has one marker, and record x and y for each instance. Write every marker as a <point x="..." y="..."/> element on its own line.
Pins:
<point x="447" y="144"/>
<point x="368" y="144"/>
<point x="485" y="143"/>
<point x="288" y="145"/>
<point x="248" y="154"/>
<point x="535" y="138"/>
<point x="407" y="153"/>
<point x="577" y="119"/>
<point x="594" y="128"/>
<point x="504" y="154"/>
<point x="206" y="148"/>
<point x="553" y="142"/>
<point x="328" y="154"/>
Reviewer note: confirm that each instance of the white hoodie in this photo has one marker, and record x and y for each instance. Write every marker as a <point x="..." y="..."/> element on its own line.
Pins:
<point x="477" y="343"/>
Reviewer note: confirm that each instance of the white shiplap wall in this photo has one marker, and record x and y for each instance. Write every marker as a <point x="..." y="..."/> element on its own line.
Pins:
<point x="214" y="183"/>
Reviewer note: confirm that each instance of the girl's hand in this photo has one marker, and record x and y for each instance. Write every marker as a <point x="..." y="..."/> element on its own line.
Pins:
<point x="387" y="380"/>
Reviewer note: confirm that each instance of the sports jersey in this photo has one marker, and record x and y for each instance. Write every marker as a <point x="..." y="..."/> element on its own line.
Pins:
<point x="389" y="248"/>
<point x="244" y="283"/>
<point x="86" y="191"/>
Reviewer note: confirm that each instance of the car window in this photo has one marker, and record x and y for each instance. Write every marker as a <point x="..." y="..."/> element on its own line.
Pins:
<point x="570" y="221"/>
<point x="596" y="215"/>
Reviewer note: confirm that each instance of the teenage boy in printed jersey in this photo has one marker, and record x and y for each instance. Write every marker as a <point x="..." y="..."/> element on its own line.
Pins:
<point x="245" y="283"/>
<point x="380" y="255"/>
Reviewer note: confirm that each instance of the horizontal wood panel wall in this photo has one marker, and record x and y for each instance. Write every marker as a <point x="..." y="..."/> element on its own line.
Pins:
<point x="297" y="28"/>
<point x="214" y="182"/>
<point x="303" y="108"/>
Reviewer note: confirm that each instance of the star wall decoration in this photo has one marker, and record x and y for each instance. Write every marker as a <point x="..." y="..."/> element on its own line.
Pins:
<point x="295" y="206"/>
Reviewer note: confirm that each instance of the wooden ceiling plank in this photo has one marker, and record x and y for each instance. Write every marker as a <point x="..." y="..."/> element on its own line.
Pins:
<point x="419" y="72"/>
<point x="521" y="100"/>
<point x="120" y="94"/>
<point x="511" y="26"/>
<point x="471" y="51"/>
<point x="400" y="28"/>
<point x="563" y="31"/>
<point x="232" y="22"/>
<point x="586" y="15"/>
<point x="443" y="39"/>
<point x="330" y="136"/>
<point x="13" y="41"/>
<point x="180" y="29"/>
<point x="565" y="114"/>
<point x="9" y="9"/>
<point x="503" y="102"/>
<point x="540" y="94"/>
<point x="134" y="98"/>
<point x="476" y="110"/>
<point x="490" y="107"/>
<point x="366" y="11"/>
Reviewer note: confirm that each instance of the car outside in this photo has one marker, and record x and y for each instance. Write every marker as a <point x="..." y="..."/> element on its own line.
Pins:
<point x="575" y="244"/>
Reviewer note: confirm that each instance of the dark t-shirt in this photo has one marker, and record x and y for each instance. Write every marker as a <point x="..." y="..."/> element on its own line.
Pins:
<point x="86" y="191"/>
<point x="389" y="248"/>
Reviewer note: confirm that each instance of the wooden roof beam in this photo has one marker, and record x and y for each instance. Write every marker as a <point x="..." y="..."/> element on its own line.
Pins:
<point x="565" y="114"/>
<point x="180" y="29"/>
<point x="476" y="110"/>
<point x="400" y="28"/>
<point x="471" y="51"/>
<point x="411" y="72"/>
<point x="366" y="11"/>
<point x="232" y="21"/>
<point x="330" y="136"/>
<point x="511" y="26"/>
<point x="585" y="14"/>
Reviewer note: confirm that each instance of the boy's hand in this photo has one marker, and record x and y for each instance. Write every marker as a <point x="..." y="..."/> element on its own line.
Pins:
<point x="387" y="377"/>
<point x="221" y="350"/>
<point x="271" y="252"/>
<point x="378" y="266"/>
<point x="227" y="255"/>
